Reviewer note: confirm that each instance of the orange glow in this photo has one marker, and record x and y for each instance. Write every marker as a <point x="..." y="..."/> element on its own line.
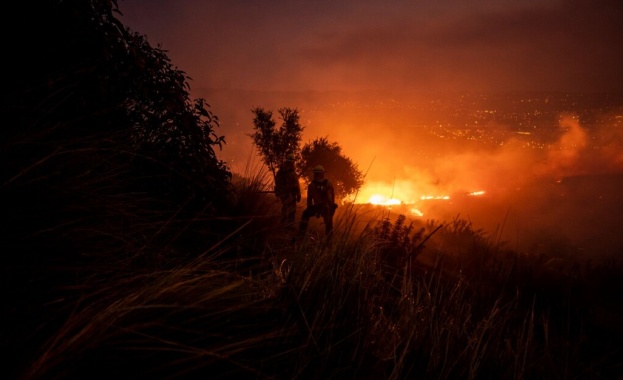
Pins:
<point x="416" y="212"/>
<point x="384" y="194"/>
<point x="431" y="197"/>
<point x="476" y="193"/>
<point x="381" y="200"/>
<point x="490" y="175"/>
<point x="402" y="192"/>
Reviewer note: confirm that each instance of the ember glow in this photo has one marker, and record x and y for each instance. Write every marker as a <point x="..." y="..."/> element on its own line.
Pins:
<point x="381" y="200"/>
<point x="406" y="198"/>
<point x="432" y="197"/>
<point x="477" y="193"/>
<point x="387" y="194"/>
<point x="416" y="212"/>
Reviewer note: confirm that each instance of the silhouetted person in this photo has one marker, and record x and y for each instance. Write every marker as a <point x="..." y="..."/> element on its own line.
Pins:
<point x="288" y="190"/>
<point x="320" y="202"/>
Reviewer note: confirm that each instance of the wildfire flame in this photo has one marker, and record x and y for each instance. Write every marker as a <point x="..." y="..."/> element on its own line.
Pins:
<point x="429" y="197"/>
<point x="407" y="195"/>
<point x="417" y="212"/>
<point x="477" y="193"/>
<point x="381" y="200"/>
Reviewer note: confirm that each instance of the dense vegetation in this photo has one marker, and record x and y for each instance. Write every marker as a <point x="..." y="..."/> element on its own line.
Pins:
<point x="130" y="251"/>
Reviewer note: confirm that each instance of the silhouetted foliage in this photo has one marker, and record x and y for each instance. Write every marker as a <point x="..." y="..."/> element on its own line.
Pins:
<point x="397" y="242"/>
<point x="341" y="170"/>
<point x="85" y="74"/>
<point x="105" y="159"/>
<point x="274" y="144"/>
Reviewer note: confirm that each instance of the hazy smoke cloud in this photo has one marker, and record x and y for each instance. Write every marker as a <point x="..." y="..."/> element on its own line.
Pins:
<point x="511" y="164"/>
<point x="349" y="45"/>
<point x="562" y="158"/>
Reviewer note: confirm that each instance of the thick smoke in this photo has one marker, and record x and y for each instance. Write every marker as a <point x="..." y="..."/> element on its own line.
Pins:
<point x="563" y="158"/>
<point x="560" y="187"/>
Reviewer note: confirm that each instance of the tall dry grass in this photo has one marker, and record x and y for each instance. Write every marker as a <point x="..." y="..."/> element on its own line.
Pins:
<point x="383" y="299"/>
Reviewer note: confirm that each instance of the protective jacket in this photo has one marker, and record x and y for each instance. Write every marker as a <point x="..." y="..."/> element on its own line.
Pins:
<point x="287" y="183"/>
<point x="321" y="193"/>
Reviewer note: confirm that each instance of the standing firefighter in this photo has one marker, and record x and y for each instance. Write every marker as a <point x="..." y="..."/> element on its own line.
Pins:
<point x="288" y="190"/>
<point x="320" y="202"/>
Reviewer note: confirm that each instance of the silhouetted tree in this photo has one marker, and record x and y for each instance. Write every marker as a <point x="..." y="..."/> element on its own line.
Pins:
<point x="105" y="160"/>
<point x="344" y="174"/>
<point x="274" y="144"/>
<point x="82" y="73"/>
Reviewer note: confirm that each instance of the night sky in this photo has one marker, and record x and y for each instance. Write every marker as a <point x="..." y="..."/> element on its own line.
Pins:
<point x="480" y="45"/>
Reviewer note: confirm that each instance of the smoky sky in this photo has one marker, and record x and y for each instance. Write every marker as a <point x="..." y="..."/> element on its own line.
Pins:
<point x="572" y="45"/>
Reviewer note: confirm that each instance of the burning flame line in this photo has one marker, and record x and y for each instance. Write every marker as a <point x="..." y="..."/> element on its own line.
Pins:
<point x="429" y="197"/>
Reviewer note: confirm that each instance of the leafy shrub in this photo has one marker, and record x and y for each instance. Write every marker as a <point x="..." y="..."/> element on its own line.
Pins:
<point x="397" y="242"/>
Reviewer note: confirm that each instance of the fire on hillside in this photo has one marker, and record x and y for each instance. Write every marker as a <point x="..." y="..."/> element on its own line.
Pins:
<point x="378" y="199"/>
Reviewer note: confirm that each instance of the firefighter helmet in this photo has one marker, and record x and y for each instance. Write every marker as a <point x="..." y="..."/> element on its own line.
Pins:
<point x="318" y="169"/>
